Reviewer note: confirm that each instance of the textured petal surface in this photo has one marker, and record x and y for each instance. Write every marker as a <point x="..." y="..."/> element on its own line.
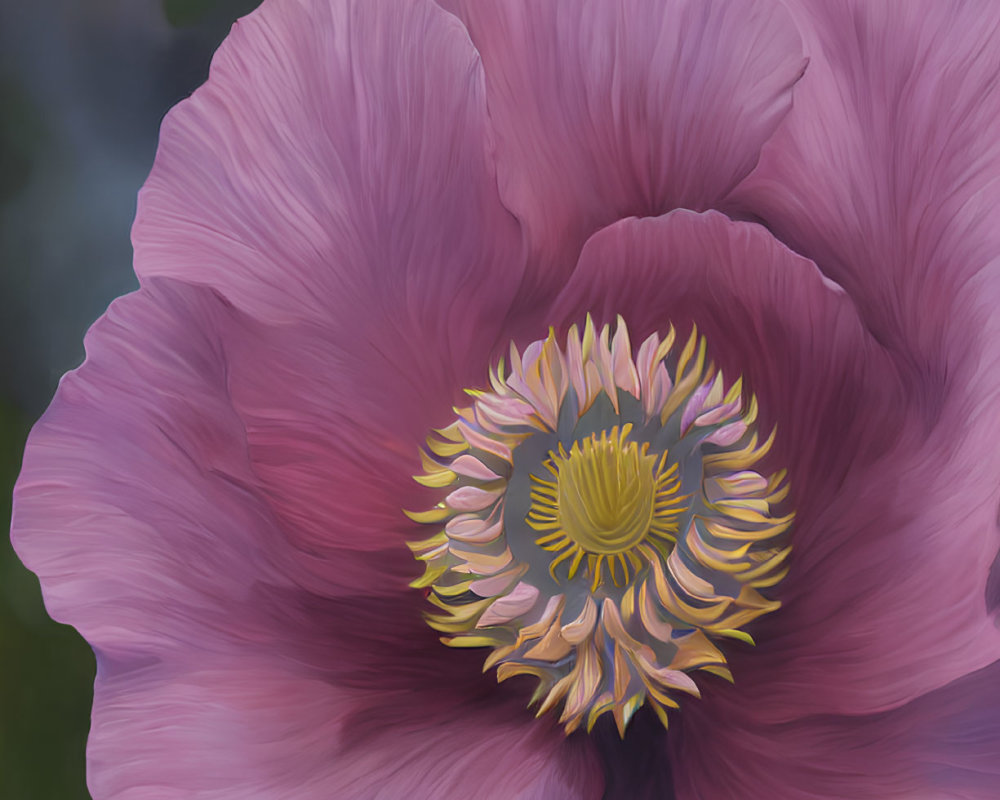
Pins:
<point x="336" y="168"/>
<point x="887" y="175"/>
<point x="886" y="506"/>
<point x="334" y="178"/>
<point x="136" y="504"/>
<point x="608" y="109"/>
<point x="887" y="171"/>
<point x="230" y="664"/>
<point x="259" y="731"/>
<point x="941" y="746"/>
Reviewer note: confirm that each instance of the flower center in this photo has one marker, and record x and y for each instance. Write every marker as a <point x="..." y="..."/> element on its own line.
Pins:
<point x="605" y="527"/>
<point x="606" y="490"/>
<point x="606" y="497"/>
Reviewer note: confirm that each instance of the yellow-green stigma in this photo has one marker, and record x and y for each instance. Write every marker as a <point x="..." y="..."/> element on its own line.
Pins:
<point x="606" y="497"/>
<point x="604" y="526"/>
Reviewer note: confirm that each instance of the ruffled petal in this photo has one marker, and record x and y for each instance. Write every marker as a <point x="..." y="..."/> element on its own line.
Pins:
<point x="895" y="520"/>
<point x="941" y="746"/>
<point x="886" y="173"/>
<point x="138" y="506"/>
<point x="233" y="660"/>
<point x="334" y="180"/>
<point x="634" y="107"/>
<point x="336" y="169"/>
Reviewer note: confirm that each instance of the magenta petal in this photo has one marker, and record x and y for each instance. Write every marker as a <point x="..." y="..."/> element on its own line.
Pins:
<point x="889" y="510"/>
<point x="941" y="746"/>
<point x="263" y="729"/>
<point x="335" y="169"/>
<point x="608" y="109"/>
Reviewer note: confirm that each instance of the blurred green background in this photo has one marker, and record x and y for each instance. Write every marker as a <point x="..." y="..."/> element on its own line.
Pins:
<point x="83" y="87"/>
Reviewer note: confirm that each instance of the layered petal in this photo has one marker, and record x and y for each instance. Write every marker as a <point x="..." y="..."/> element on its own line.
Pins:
<point x="334" y="180"/>
<point x="230" y="657"/>
<point x="940" y="746"/>
<point x="887" y="173"/>
<point x="136" y="505"/>
<point x="608" y="109"/>
<point x="336" y="169"/>
<point x="888" y="511"/>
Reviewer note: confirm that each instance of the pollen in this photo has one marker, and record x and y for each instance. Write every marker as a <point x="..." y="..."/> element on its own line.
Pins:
<point x="603" y="524"/>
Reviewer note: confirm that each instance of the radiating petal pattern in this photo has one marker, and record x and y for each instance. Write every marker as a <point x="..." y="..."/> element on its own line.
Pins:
<point x="883" y="509"/>
<point x="218" y="641"/>
<point x="347" y="226"/>
<point x="259" y="731"/>
<point x="310" y="182"/>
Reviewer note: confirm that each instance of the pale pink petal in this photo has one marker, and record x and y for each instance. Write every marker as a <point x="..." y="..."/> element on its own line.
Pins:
<point x="728" y="434"/>
<point x="472" y="467"/>
<point x="519" y="602"/>
<point x="473" y="528"/>
<point x="471" y="498"/>
<point x="896" y="518"/>
<point x="941" y="746"/>
<point x="605" y="109"/>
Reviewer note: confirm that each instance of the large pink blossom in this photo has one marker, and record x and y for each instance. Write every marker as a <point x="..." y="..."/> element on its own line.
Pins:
<point x="347" y="226"/>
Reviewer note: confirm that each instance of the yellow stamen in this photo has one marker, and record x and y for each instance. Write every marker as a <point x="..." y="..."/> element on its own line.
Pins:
<point x="646" y="543"/>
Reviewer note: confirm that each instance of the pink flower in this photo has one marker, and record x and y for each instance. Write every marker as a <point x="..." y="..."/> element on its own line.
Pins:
<point x="349" y="224"/>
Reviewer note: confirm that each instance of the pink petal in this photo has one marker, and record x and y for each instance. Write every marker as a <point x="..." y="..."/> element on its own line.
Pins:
<point x="728" y="434"/>
<point x="231" y="661"/>
<point x="263" y="729"/>
<point x="694" y="406"/>
<point x="471" y="498"/>
<point x="941" y="745"/>
<point x="520" y="600"/>
<point x="334" y="180"/>
<point x="138" y="506"/>
<point x="335" y="169"/>
<point x="889" y="510"/>
<point x="472" y="467"/>
<point x="887" y="172"/>
<point x="607" y="109"/>
<point x="473" y="528"/>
